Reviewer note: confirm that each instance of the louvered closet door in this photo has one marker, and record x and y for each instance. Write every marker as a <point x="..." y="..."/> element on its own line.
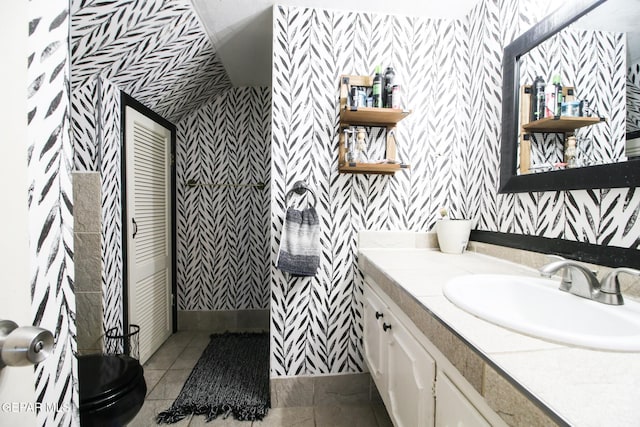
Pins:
<point x="149" y="233"/>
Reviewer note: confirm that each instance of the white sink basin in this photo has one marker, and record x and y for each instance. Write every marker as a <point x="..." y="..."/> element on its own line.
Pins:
<point x="535" y="306"/>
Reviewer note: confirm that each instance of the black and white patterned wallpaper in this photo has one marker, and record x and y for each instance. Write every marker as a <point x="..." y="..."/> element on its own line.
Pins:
<point x="316" y="325"/>
<point x="222" y="234"/>
<point x="50" y="207"/>
<point x="600" y="216"/>
<point x="451" y="75"/>
<point x="633" y="97"/>
<point x="109" y="128"/>
<point x="223" y="229"/>
<point x="156" y="51"/>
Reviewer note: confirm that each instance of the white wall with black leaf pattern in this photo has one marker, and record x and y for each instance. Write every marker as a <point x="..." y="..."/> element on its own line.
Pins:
<point x="633" y="97"/>
<point x="156" y="51"/>
<point x="451" y="74"/>
<point x="223" y="224"/>
<point x="50" y="207"/>
<point x="592" y="62"/>
<point x="316" y="325"/>
<point x="109" y="128"/>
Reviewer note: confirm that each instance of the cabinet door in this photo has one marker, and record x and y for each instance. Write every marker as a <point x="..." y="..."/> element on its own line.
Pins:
<point x="452" y="407"/>
<point x="374" y="311"/>
<point x="411" y="374"/>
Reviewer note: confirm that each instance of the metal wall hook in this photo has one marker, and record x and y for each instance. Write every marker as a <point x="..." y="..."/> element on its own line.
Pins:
<point x="301" y="187"/>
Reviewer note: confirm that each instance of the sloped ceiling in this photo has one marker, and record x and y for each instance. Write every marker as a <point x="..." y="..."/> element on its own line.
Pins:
<point x="155" y="50"/>
<point x="242" y="30"/>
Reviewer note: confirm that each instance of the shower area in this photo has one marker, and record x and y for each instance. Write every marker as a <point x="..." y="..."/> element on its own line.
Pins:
<point x="159" y="54"/>
<point x="223" y="199"/>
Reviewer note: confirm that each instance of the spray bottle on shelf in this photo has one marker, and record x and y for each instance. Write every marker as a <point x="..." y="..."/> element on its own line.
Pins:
<point x="537" y="99"/>
<point x="389" y="76"/>
<point x="549" y="100"/>
<point x="376" y="90"/>
<point x="557" y="87"/>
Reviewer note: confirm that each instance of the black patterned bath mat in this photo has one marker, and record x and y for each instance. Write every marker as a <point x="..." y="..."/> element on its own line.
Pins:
<point x="231" y="378"/>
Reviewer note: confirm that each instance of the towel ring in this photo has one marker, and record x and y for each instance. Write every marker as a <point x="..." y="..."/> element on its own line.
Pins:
<point x="300" y="187"/>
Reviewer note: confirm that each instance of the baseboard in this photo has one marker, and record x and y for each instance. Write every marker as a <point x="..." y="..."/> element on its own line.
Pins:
<point x="224" y="320"/>
<point x="323" y="390"/>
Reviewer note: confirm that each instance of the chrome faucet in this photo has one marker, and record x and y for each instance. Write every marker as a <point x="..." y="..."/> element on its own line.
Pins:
<point x="579" y="280"/>
<point x="610" y="286"/>
<point x="565" y="284"/>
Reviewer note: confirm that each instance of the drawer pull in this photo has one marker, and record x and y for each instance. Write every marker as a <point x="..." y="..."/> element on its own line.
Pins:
<point x="386" y="326"/>
<point x="379" y="315"/>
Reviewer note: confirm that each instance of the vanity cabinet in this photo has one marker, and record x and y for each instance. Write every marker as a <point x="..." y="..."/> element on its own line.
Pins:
<point x="401" y="368"/>
<point x="418" y="386"/>
<point x="453" y="408"/>
<point x="375" y="338"/>
<point x="367" y="117"/>
<point x="411" y="374"/>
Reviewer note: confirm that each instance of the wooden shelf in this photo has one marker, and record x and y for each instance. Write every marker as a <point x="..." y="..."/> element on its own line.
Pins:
<point x="371" y="116"/>
<point x="558" y="124"/>
<point x="372" y="168"/>
<point x="368" y="116"/>
<point x="561" y="124"/>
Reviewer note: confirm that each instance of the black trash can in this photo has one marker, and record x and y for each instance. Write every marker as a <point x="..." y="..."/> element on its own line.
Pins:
<point x="112" y="385"/>
<point x="117" y="342"/>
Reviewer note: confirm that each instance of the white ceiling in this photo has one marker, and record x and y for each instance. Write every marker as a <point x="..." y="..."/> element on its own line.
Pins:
<point x="617" y="16"/>
<point x="241" y="30"/>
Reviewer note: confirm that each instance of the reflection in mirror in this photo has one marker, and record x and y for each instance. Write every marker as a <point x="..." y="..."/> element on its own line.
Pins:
<point x="593" y="59"/>
<point x="591" y="50"/>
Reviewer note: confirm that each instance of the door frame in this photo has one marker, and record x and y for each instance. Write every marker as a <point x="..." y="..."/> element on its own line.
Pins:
<point x="128" y="101"/>
<point x="17" y="384"/>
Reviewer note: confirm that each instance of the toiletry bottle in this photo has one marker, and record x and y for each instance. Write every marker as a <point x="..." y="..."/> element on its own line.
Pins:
<point x="350" y="145"/>
<point x="389" y="76"/>
<point x="396" y="96"/>
<point x="361" y="146"/>
<point x="376" y="90"/>
<point x="549" y="100"/>
<point x="537" y="99"/>
<point x="570" y="152"/>
<point x="557" y="86"/>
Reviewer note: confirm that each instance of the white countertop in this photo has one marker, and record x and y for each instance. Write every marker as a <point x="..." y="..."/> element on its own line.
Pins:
<point x="584" y="387"/>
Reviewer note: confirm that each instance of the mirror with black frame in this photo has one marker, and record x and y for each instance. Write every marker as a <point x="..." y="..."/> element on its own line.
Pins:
<point x="581" y="132"/>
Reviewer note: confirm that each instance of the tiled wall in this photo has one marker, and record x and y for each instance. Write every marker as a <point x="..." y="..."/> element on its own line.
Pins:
<point x="322" y="390"/>
<point x="451" y="73"/>
<point x="87" y="229"/>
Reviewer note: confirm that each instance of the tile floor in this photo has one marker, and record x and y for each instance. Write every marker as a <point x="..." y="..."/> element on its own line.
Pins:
<point x="167" y="370"/>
